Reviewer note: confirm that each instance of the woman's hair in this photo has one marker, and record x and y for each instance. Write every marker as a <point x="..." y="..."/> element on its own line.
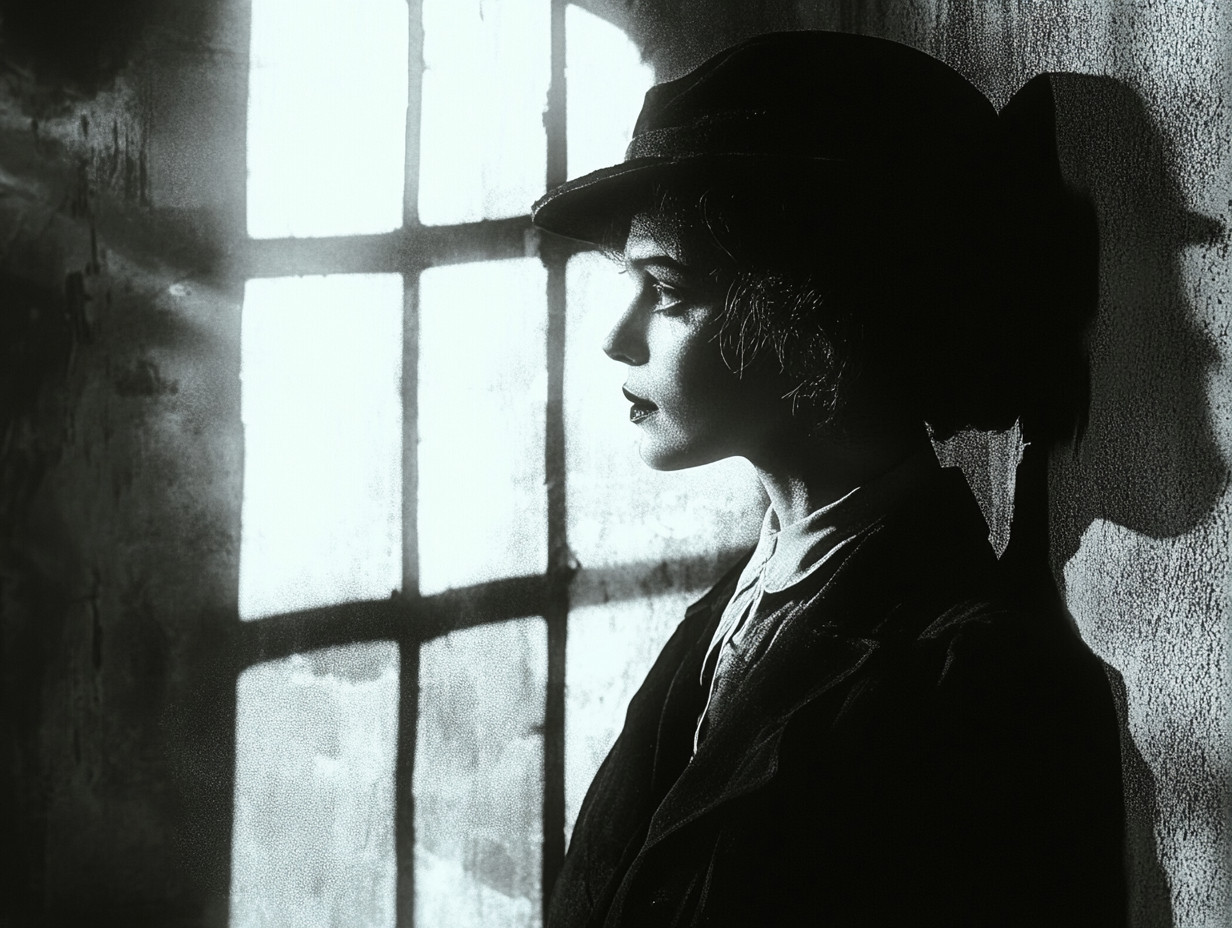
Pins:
<point x="903" y="294"/>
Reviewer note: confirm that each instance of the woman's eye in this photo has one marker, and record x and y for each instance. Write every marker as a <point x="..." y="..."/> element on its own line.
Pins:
<point x="667" y="299"/>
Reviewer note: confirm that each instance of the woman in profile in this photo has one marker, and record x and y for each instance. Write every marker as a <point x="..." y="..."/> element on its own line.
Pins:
<point x="863" y="722"/>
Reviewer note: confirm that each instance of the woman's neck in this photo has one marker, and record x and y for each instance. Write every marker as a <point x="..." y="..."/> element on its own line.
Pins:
<point x="802" y="479"/>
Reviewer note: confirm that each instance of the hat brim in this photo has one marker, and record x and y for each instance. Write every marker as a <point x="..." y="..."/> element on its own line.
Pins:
<point x="596" y="207"/>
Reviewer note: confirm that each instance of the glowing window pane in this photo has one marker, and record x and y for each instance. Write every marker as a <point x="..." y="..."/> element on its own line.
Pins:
<point x="313" y="842"/>
<point x="478" y="780"/>
<point x="482" y="397"/>
<point x="483" y="150"/>
<point x="605" y="83"/>
<point x="614" y="638"/>
<point x="620" y="510"/>
<point x="321" y="362"/>
<point x="327" y="96"/>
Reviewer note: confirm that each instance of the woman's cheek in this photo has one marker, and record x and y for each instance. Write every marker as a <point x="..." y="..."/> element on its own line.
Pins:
<point x="697" y="376"/>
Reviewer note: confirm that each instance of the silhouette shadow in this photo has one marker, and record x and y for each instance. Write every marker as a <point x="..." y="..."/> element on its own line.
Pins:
<point x="1121" y="428"/>
<point x="1148" y="460"/>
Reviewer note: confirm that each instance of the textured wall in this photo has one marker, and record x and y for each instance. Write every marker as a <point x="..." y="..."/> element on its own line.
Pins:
<point x="119" y="476"/>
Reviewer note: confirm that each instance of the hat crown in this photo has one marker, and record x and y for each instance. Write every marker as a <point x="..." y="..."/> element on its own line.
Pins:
<point x="839" y="96"/>
<point x="822" y="109"/>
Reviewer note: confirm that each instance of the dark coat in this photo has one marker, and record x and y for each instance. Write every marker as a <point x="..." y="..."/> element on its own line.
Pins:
<point x="913" y="750"/>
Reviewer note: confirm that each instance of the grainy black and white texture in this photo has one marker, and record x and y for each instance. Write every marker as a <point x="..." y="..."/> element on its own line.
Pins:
<point x="121" y="196"/>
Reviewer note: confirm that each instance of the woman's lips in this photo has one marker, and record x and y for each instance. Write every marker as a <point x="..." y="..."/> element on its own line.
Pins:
<point x="641" y="407"/>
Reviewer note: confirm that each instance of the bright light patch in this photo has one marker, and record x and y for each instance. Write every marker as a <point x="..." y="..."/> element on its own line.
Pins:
<point x="313" y="842"/>
<point x="483" y="149"/>
<point x="605" y="83"/>
<point x="327" y="93"/>
<point x="620" y="511"/>
<point x="611" y="647"/>
<point x="478" y="780"/>
<point x="482" y="398"/>
<point x="321" y="362"/>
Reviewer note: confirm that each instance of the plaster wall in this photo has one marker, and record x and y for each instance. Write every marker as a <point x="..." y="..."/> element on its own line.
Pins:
<point x="121" y="462"/>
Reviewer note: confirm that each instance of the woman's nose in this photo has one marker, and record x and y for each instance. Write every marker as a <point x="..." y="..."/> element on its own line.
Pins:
<point x="626" y="342"/>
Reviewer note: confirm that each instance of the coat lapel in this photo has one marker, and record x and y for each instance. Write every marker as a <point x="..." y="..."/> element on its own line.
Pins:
<point x="830" y="633"/>
<point x="645" y="761"/>
<point x="826" y="636"/>
<point x="740" y="752"/>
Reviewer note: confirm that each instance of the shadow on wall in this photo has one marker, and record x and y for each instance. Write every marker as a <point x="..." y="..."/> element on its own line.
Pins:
<point x="117" y="567"/>
<point x="1145" y="456"/>
<point x="1149" y="460"/>
<point x="72" y="46"/>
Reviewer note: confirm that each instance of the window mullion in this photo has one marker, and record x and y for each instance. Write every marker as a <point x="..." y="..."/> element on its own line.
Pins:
<point x="389" y="252"/>
<point x="559" y="558"/>
<point x="414" y="108"/>
<point x="409" y="641"/>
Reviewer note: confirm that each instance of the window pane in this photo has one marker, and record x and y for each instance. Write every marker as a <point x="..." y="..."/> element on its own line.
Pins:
<point x="326" y="117"/>
<point x="321" y="362"/>
<point x="605" y="83"/>
<point x="620" y="510"/>
<point x="483" y="150"/>
<point x="615" y="634"/>
<point x="479" y="777"/>
<point x="482" y="397"/>
<point x="313" y="843"/>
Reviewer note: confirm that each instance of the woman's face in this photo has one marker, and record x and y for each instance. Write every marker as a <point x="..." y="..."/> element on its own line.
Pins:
<point x="690" y="407"/>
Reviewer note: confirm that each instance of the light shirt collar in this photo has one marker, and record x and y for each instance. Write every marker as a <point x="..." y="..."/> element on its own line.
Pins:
<point x="788" y="554"/>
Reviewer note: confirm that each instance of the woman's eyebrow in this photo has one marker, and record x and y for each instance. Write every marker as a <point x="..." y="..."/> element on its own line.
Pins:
<point x="657" y="260"/>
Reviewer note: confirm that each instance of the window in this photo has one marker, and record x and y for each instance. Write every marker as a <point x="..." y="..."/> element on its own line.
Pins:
<point x="454" y="570"/>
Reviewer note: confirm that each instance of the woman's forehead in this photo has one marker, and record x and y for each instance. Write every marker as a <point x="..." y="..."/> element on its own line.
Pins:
<point x="662" y="234"/>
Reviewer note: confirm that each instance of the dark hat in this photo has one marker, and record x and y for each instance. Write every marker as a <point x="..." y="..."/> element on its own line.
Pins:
<point x="814" y="106"/>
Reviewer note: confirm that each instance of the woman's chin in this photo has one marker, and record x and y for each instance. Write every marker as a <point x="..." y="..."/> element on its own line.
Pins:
<point x="662" y="462"/>
<point x="662" y="456"/>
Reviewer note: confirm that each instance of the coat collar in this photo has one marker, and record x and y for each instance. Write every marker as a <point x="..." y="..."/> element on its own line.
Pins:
<point x="931" y="550"/>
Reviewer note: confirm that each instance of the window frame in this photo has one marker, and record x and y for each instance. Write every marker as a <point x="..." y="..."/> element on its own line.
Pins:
<point x="407" y="618"/>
